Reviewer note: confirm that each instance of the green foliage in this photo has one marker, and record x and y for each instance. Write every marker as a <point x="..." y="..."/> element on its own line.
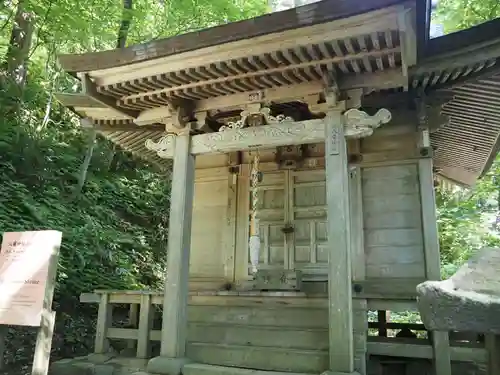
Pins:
<point x="467" y="219"/>
<point x="114" y="233"/>
<point x="457" y="15"/>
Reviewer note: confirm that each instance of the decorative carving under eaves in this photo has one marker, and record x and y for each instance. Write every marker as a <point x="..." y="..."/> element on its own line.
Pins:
<point x="248" y="118"/>
<point x="359" y="124"/>
<point x="163" y="147"/>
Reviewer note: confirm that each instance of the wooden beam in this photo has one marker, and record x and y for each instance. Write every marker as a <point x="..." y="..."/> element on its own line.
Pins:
<point x="265" y="72"/>
<point x="283" y="93"/>
<point x="379" y="80"/>
<point x="387" y="79"/>
<point x="287" y="133"/>
<point x="78" y="100"/>
<point x="283" y="134"/>
<point x="127" y="126"/>
<point x="474" y="54"/>
<point x="389" y="288"/>
<point x="90" y="88"/>
<point x="408" y="36"/>
<point x="357" y="124"/>
<point x="391" y="78"/>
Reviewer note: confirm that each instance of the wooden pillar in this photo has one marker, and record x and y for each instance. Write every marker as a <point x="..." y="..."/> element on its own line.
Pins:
<point x="440" y="340"/>
<point x="174" y="327"/>
<point x="144" y="327"/>
<point x="358" y="259"/>
<point x="339" y="242"/>
<point x="382" y="323"/>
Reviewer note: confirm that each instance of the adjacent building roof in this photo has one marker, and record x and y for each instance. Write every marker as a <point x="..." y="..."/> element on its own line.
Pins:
<point x="462" y="71"/>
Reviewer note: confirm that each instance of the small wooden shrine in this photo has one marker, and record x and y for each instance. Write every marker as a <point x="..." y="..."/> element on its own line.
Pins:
<point x="306" y="145"/>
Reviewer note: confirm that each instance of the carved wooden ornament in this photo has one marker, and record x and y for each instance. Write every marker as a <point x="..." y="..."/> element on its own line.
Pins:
<point x="359" y="124"/>
<point x="280" y="131"/>
<point x="265" y="112"/>
<point x="164" y="148"/>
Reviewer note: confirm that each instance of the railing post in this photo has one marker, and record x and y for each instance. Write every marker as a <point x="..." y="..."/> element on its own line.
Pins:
<point x="144" y="330"/>
<point x="133" y="321"/>
<point x="104" y="319"/>
<point x="492" y="344"/>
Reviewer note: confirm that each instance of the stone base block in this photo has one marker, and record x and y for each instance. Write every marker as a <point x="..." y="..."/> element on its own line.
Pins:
<point x="98" y="364"/>
<point x="202" y="369"/>
<point x="167" y="366"/>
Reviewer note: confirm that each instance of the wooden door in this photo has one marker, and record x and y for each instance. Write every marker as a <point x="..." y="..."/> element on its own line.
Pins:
<point x="307" y="215"/>
<point x="292" y="221"/>
<point x="272" y="215"/>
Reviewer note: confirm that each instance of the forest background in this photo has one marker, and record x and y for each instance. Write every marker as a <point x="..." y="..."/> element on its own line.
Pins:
<point x="112" y="207"/>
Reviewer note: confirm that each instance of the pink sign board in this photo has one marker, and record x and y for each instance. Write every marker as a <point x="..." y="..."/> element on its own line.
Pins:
<point x="24" y="268"/>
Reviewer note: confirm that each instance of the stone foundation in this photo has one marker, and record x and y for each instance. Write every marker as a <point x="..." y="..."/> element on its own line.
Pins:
<point x="99" y="364"/>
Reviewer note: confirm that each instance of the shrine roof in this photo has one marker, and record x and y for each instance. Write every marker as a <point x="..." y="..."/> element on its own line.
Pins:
<point x="379" y="45"/>
<point x="129" y="93"/>
<point x="277" y="22"/>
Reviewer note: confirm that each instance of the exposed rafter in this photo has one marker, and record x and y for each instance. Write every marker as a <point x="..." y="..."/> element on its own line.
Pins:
<point x="90" y="89"/>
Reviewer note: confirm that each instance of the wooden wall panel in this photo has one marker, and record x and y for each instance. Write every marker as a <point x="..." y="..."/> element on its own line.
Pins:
<point x="209" y="228"/>
<point x="392" y="222"/>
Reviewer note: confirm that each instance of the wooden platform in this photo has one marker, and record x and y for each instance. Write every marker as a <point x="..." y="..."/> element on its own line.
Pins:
<point x="268" y="331"/>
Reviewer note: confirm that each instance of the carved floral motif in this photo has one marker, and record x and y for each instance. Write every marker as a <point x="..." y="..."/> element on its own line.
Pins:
<point x="163" y="147"/>
<point x="264" y="112"/>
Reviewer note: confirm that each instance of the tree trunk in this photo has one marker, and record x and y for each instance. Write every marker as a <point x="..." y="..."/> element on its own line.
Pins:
<point x="121" y="42"/>
<point x="125" y="24"/>
<point x="20" y="44"/>
<point x="84" y="168"/>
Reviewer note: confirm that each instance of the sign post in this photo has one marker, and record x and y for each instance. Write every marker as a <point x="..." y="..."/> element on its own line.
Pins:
<point x="28" y="267"/>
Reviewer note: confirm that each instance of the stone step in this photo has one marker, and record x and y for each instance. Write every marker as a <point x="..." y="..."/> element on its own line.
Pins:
<point x="200" y="369"/>
<point x="259" y="358"/>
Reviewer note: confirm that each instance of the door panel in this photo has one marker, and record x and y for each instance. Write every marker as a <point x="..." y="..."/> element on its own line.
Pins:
<point x="297" y="199"/>
<point x="308" y="217"/>
<point x="271" y="215"/>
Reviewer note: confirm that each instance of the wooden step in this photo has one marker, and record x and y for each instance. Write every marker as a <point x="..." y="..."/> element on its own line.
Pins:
<point x="259" y="358"/>
<point x="278" y="317"/>
<point x="200" y="369"/>
<point x="271" y="336"/>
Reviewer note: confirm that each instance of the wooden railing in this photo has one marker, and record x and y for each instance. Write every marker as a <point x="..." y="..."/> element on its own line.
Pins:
<point x="139" y="333"/>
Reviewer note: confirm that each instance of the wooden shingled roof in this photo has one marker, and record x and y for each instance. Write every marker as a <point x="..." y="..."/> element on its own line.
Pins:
<point x="461" y="71"/>
<point x="375" y="44"/>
